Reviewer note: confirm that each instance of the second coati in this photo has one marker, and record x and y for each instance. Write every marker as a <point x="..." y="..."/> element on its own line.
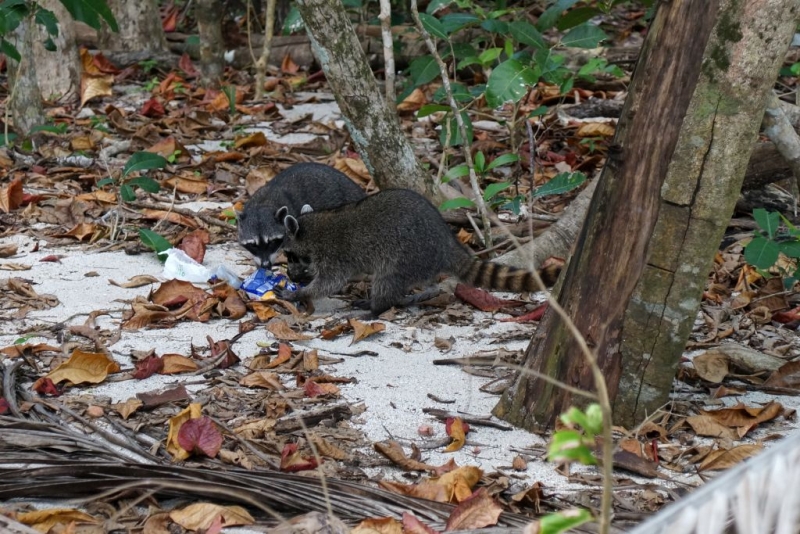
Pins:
<point x="322" y="187"/>
<point x="396" y="235"/>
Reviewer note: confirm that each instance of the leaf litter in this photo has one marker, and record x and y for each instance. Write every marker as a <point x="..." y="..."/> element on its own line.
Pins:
<point x="261" y="388"/>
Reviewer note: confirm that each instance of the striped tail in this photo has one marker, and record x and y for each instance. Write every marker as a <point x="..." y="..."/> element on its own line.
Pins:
<point x="500" y="277"/>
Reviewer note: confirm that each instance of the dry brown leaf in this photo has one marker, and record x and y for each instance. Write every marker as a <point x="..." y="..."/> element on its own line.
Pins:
<point x="725" y="459"/>
<point x="83" y="231"/>
<point x="127" y="408"/>
<point x="84" y="367"/>
<point x="176" y="363"/>
<point x="11" y="196"/>
<point x="200" y="516"/>
<point x="255" y="429"/>
<point x="95" y="86"/>
<point x="707" y="426"/>
<point x="170" y="216"/>
<point x="458" y="483"/>
<point x="169" y="147"/>
<point x="413" y="102"/>
<point x="310" y="360"/>
<point x="136" y="281"/>
<point x="106" y="197"/>
<point x="263" y="310"/>
<point x="363" y="330"/>
<point x="354" y="168"/>
<point x="711" y="366"/>
<point x="11" y="266"/>
<point x="254" y="139"/>
<point x="745" y="418"/>
<point x="478" y="511"/>
<point x="15" y="351"/>
<point x="595" y="129"/>
<point x="283" y="332"/>
<point x="262" y="379"/>
<point x="45" y="520"/>
<point x="385" y="525"/>
<point x="328" y="449"/>
<point x="145" y="313"/>
<point x="787" y="376"/>
<point x="424" y="490"/>
<point x="458" y="434"/>
<point x="394" y="452"/>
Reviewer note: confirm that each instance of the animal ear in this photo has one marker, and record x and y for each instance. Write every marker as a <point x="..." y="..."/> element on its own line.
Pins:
<point x="281" y="214"/>
<point x="306" y="209"/>
<point x="291" y="224"/>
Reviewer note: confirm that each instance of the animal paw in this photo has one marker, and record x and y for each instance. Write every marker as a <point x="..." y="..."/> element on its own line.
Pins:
<point x="286" y="294"/>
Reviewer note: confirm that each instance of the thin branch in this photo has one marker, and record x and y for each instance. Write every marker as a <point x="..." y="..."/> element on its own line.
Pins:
<point x="261" y="64"/>
<point x="385" y="17"/>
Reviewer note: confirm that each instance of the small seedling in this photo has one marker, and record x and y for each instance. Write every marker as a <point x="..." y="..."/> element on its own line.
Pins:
<point x="770" y="241"/>
<point x="140" y="161"/>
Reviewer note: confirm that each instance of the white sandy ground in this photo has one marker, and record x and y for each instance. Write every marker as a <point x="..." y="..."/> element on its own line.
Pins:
<point x="392" y="385"/>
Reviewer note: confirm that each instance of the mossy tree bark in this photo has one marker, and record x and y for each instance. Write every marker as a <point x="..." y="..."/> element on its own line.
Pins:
<point x="373" y="127"/>
<point x="25" y="101"/>
<point x="633" y="287"/>
<point x="139" y="27"/>
<point x="58" y="72"/>
<point x="209" y="15"/>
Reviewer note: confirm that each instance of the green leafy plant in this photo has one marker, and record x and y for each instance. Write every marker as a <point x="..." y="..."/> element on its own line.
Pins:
<point x="148" y="65"/>
<point x="230" y="94"/>
<point x="154" y="241"/>
<point x="98" y="122"/>
<point x="138" y="162"/>
<point x="150" y="85"/>
<point x="491" y="195"/>
<point x="576" y="445"/>
<point x="775" y="236"/>
<point x="59" y="128"/>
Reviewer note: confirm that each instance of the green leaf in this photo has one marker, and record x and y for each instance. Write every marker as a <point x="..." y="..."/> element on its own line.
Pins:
<point x="293" y="22"/>
<point x="105" y="181"/>
<point x="492" y="190"/>
<point x="480" y="161"/>
<point x="433" y="26"/>
<point x="526" y="33"/>
<point x="454" y="203"/>
<point x="47" y="18"/>
<point x="551" y="15"/>
<point x="467" y="61"/>
<point x="455" y="133"/>
<point x="459" y="171"/>
<point x="49" y="45"/>
<point x="193" y="40"/>
<point x="568" y="445"/>
<point x="126" y="192"/>
<point x="456" y="21"/>
<point x="7" y="140"/>
<point x="767" y="221"/>
<point x="563" y="521"/>
<point x="495" y="26"/>
<point x="50" y="128"/>
<point x="761" y="253"/>
<point x="462" y="50"/>
<point x="424" y="70"/>
<point x="594" y="419"/>
<point x="90" y="12"/>
<point x="489" y="55"/>
<point x="460" y="93"/>
<point x="509" y="81"/>
<point x="577" y="16"/>
<point x="584" y="36"/>
<point x="436" y="5"/>
<point x="143" y="161"/>
<point x="505" y="159"/>
<point x="146" y="183"/>
<point x="11" y="14"/>
<point x="561" y="183"/>
<point x="541" y="110"/>
<point x="9" y="50"/>
<point x="430" y="109"/>
<point x="154" y="242"/>
<point x="790" y="248"/>
<point x="575" y="416"/>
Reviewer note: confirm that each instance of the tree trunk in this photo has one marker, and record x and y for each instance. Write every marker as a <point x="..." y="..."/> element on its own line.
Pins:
<point x="212" y="49"/>
<point x="139" y="27"/>
<point x="58" y="73"/>
<point x="373" y="127"/>
<point x="25" y="99"/>
<point x="667" y="192"/>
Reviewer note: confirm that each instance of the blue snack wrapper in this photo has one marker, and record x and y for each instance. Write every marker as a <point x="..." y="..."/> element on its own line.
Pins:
<point x="262" y="283"/>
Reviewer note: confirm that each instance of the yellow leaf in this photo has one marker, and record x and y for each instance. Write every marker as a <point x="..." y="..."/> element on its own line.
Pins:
<point x="44" y="520"/>
<point x="200" y="516"/>
<point x="362" y="330"/>
<point x="84" y="367"/>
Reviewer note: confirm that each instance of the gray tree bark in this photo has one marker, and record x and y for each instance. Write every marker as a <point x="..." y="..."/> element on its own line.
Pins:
<point x="139" y="27"/>
<point x="25" y="102"/>
<point x="212" y="48"/>
<point x="373" y="127"/>
<point x="58" y="73"/>
<point x="684" y="139"/>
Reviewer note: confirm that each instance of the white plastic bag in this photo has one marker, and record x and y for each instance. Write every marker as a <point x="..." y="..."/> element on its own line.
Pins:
<point x="181" y="266"/>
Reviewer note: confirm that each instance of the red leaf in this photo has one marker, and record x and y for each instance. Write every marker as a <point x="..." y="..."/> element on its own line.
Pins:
<point x="45" y="386"/>
<point x="148" y="367"/>
<point x="52" y="258"/>
<point x="483" y="300"/>
<point x="292" y="460"/>
<point x="4" y="407"/>
<point x="200" y="436"/>
<point x="186" y="65"/>
<point x="787" y="316"/>
<point x="103" y="64"/>
<point x="312" y="389"/>
<point x="153" y="109"/>
<point x="194" y="244"/>
<point x="531" y="316"/>
<point x="170" y="21"/>
<point x="11" y="196"/>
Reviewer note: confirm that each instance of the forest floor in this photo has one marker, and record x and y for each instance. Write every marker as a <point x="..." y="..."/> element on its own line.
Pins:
<point x="104" y="358"/>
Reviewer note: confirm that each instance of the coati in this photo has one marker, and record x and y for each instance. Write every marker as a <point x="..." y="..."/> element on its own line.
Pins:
<point x="396" y="235"/>
<point x="320" y="186"/>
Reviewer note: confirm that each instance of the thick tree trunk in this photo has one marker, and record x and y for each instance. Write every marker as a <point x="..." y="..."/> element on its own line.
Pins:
<point x="139" y="27"/>
<point x="663" y="202"/>
<point x="212" y="48"/>
<point x="25" y="102"/>
<point x="59" y="72"/>
<point x="373" y="127"/>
